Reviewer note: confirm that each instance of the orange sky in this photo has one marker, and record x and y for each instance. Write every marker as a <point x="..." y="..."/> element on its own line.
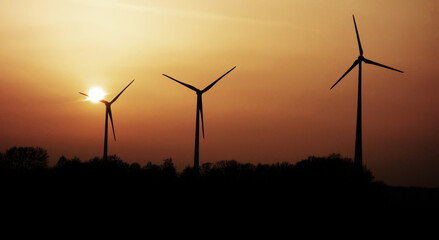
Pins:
<point x="275" y="106"/>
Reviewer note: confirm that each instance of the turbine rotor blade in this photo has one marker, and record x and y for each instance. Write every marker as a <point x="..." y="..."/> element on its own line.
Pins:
<point x="114" y="99"/>
<point x="83" y="94"/>
<point x="112" y="125"/>
<point x="353" y="65"/>
<point x="380" y="65"/>
<point x="358" y="37"/>
<point x="182" y="83"/>
<point x="211" y="85"/>
<point x="200" y="111"/>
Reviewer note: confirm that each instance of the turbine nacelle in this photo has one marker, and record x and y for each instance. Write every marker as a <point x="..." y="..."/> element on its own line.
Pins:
<point x="199" y="94"/>
<point x="361" y="58"/>
<point x="108" y="107"/>
<point x="199" y="112"/>
<point x="358" y="137"/>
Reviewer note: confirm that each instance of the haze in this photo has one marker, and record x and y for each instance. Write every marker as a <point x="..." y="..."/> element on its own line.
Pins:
<point x="275" y="106"/>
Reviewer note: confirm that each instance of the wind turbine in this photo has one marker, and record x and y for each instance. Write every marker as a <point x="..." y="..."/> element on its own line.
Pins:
<point x="108" y="113"/>
<point x="358" y="160"/>
<point x="199" y="113"/>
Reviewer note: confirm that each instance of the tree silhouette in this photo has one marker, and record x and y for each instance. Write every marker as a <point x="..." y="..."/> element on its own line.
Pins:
<point x="64" y="162"/>
<point x="331" y="170"/>
<point x="3" y="163"/>
<point x="316" y="182"/>
<point x="25" y="158"/>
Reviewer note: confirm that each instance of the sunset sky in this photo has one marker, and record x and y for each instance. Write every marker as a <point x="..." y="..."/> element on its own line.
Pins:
<point x="275" y="106"/>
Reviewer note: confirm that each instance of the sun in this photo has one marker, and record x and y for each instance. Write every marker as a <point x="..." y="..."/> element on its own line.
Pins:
<point x="96" y="94"/>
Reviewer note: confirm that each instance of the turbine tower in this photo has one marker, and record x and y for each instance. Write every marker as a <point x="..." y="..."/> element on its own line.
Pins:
<point x="358" y="160"/>
<point x="199" y="113"/>
<point x="108" y="113"/>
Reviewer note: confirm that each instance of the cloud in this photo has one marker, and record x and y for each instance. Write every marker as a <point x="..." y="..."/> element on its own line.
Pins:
<point x="185" y="13"/>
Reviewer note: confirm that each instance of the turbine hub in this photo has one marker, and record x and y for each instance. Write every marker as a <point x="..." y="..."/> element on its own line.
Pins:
<point x="360" y="58"/>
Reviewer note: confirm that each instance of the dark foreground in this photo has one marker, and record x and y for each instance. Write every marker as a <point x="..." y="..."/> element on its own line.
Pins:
<point x="331" y="183"/>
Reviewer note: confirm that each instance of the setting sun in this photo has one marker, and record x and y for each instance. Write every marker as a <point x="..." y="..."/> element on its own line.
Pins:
<point x="57" y="57"/>
<point x="96" y="94"/>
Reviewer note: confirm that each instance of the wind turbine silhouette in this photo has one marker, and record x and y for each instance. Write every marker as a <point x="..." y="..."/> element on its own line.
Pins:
<point x="108" y="113"/>
<point x="199" y="113"/>
<point x="358" y="160"/>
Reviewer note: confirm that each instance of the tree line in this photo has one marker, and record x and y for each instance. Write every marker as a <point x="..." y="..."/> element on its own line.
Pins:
<point x="331" y="180"/>
<point x="333" y="169"/>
